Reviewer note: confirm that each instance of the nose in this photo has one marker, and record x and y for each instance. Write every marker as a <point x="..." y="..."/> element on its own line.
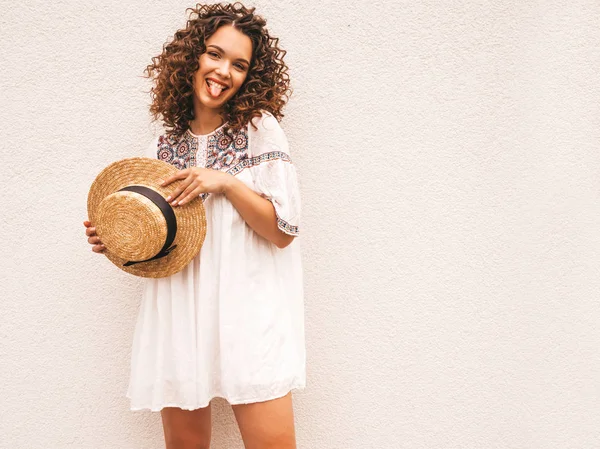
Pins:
<point x="223" y="70"/>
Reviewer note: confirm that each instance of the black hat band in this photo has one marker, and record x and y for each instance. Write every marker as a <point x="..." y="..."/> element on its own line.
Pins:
<point x="167" y="212"/>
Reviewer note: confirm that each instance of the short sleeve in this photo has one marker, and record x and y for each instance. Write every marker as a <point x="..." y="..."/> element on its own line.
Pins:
<point x="152" y="150"/>
<point x="274" y="175"/>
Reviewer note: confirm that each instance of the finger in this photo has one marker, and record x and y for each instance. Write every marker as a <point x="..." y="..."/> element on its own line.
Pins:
<point x="98" y="248"/>
<point x="181" y="174"/>
<point x="94" y="240"/>
<point x="177" y="192"/>
<point x="90" y="231"/>
<point x="191" y="188"/>
<point x="87" y="223"/>
<point x="193" y="194"/>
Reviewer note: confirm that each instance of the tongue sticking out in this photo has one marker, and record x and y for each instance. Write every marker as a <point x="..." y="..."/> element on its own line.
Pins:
<point x="214" y="91"/>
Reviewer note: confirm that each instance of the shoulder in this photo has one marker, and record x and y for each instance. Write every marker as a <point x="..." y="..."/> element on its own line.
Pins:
<point x="152" y="149"/>
<point x="265" y="122"/>
<point x="268" y="135"/>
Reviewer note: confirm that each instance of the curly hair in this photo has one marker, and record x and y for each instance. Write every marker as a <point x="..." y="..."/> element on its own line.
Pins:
<point x="266" y="86"/>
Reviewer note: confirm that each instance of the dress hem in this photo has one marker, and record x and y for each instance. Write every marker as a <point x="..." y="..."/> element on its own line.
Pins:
<point x="234" y="401"/>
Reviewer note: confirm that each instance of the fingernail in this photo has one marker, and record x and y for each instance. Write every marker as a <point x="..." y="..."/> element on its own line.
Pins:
<point x="168" y="198"/>
<point x="174" y="203"/>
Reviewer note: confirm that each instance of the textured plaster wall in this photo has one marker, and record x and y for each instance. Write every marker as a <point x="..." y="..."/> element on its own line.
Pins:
<point x="448" y="154"/>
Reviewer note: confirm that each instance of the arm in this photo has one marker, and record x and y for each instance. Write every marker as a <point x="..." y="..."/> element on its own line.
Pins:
<point x="257" y="211"/>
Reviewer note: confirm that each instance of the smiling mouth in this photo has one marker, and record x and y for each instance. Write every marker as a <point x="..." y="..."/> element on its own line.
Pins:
<point x="215" y="89"/>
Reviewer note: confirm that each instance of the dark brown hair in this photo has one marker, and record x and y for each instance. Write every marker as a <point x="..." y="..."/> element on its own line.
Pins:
<point x="266" y="86"/>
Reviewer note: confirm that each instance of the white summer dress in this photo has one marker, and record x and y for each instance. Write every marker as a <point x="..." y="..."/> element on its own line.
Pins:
<point x="231" y="323"/>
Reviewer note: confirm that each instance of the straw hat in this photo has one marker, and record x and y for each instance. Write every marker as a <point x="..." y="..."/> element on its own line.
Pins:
<point x="142" y="233"/>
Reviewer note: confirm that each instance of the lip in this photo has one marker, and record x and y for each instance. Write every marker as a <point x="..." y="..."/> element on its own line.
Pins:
<point x="217" y="81"/>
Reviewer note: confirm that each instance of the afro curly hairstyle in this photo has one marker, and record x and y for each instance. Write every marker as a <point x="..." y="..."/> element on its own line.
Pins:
<point x="266" y="86"/>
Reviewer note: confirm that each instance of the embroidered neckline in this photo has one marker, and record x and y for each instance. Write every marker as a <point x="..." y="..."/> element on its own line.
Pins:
<point x="190" y="133"/>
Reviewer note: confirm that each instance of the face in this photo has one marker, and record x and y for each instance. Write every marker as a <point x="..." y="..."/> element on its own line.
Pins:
<point x="223" y="67"/>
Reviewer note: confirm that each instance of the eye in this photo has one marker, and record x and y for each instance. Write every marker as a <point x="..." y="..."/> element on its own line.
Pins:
<point x="240" y="66"/>
<point x="212" y="53"/>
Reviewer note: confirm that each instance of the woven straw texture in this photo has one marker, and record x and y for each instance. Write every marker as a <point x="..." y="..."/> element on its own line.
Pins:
<point x="132" y="227"/>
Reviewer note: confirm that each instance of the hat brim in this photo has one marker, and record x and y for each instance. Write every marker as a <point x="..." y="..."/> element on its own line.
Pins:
<point x="191" y="217"/>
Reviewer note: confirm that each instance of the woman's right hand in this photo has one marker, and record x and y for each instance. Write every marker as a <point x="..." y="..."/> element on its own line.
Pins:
<point x="93" y="238"/>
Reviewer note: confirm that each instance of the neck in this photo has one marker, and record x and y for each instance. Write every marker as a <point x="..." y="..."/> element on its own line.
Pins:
<point x="206" y="119"/>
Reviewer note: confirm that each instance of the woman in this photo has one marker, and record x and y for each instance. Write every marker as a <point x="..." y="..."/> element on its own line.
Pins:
<point x="230" y="324"/>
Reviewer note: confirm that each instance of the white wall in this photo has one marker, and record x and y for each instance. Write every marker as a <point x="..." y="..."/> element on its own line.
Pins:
<point x="448" y="154"/>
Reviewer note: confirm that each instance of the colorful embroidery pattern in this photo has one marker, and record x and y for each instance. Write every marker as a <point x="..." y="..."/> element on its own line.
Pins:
<point x="285" y="226"/>
<point x="180" y="153"/>
<point x="265" y="157"/>
<point x="222" y="150"/>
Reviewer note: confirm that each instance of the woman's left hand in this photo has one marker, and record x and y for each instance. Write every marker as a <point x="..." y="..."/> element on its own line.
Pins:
<point x="196" y="180"/>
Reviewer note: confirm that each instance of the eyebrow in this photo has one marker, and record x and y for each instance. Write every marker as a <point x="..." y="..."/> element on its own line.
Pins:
<point x="223" y="51"/>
